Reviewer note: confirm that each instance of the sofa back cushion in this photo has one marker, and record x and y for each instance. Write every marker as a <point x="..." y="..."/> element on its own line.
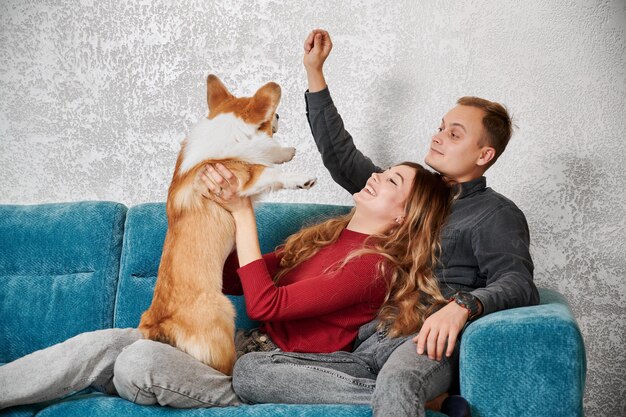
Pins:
<point x="59" y="265"/>
<point x="145" y="229"/>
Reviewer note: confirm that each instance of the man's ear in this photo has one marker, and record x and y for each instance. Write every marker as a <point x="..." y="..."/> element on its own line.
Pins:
<point x="216" y="92"/>
<point x="487" y="153"/>
<point x="263" y="104"/>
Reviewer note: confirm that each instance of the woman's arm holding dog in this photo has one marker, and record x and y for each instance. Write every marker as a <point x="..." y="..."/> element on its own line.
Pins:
<point x="246" y="235"/>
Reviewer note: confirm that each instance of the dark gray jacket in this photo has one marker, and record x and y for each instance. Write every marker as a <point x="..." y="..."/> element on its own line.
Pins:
<point x="485" y="242"/>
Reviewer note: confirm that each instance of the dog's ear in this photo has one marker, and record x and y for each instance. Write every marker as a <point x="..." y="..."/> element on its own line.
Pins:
<point x="263" y="104"/>
<point x="216" y="92"/>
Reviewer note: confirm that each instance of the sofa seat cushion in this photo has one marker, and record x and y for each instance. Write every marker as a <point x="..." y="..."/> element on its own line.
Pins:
<point x="59" y="265"/>
<point x="96" y="404"/>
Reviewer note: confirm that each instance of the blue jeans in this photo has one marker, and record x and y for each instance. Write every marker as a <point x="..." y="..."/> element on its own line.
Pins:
<point x="119" y="361"/>
<point x="116" y="361"/>
<point x="386" y="373"/>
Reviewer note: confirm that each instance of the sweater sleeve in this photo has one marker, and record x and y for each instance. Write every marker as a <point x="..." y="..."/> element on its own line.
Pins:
<point x="231" y="284"/>
<point x="357" y="282"/>
<point x="501" y="245"/>
<point x="346" y="164"/>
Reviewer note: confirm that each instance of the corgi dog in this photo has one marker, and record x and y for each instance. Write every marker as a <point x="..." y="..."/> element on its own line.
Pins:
<point x="188" y="308"/>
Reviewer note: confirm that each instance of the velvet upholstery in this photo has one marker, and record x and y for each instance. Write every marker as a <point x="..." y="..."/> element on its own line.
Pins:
<point x="58" y="272"/>
<point x="525" y="353"/>
<point x="100" y="405"/>
<point x="59" y="269"/>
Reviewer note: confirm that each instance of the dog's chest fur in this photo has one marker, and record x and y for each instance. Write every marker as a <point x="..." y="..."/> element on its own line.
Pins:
<point x="226" y="137"/>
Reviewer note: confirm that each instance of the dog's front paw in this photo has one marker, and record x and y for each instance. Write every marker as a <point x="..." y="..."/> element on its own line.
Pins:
<point x="307" y="184"/>
<point x="295" y="182"/>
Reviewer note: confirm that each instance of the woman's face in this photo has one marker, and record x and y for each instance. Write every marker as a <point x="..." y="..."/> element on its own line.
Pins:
<point x="384" y="197"/>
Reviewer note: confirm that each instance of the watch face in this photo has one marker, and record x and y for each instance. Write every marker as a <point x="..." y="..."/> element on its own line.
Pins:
<point x="465" y="297"/>
<point x="468" y="301"/>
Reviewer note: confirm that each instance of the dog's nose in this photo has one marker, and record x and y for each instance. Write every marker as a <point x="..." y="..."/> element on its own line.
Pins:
<point x="277" y="116"/>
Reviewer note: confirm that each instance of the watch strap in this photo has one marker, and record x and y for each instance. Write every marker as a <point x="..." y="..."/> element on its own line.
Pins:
<point x="468" y="301"/>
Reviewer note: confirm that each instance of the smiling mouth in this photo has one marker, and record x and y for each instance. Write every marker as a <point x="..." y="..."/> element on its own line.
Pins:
<point x="369" y="190"/>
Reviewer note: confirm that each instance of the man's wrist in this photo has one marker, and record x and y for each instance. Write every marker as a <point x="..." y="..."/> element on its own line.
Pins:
<point x="462" y="309"/>
<point x="316" y="80"/>
<point x="470" y="302"/>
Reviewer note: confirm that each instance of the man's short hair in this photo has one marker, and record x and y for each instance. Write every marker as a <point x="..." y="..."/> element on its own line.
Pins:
<point x="496" y="122"/>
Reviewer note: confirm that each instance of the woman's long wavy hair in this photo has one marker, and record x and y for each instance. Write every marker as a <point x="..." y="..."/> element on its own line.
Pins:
<point x="409" y="250"/>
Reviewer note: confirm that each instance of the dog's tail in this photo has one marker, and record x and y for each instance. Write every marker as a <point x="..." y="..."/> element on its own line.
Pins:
<point x="214" y="345"/>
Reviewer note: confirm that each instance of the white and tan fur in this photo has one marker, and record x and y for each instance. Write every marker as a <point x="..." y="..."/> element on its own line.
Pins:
<point x="188" y="309"/>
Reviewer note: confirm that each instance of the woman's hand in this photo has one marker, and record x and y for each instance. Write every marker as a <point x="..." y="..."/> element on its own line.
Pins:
<point x="317" y="47"/>
<point x="223" y="184"/>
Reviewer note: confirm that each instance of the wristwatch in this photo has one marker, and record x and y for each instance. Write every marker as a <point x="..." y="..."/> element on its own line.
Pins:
<point x="468" y="301"/>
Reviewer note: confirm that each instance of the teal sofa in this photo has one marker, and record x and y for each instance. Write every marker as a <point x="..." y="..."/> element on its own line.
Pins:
<point x="69" y="268"/>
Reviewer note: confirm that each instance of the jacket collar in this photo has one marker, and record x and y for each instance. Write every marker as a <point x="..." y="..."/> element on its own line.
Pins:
<point x="470" y="187"/>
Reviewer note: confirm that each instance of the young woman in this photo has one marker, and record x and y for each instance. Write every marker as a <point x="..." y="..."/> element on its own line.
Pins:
<point x="311" y="295"/>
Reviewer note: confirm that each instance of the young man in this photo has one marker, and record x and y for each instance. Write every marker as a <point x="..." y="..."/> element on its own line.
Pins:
<point x="485" y="266"/>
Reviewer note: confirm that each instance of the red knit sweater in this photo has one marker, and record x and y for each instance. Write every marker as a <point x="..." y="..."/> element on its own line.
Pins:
<point x="311" y="309"/>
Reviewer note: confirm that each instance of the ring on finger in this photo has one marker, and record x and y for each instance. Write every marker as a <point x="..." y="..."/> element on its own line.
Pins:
<point x="219" y="193"/>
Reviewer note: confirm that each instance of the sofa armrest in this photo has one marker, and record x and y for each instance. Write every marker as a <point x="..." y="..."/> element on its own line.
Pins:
<point x="526" y="361"/>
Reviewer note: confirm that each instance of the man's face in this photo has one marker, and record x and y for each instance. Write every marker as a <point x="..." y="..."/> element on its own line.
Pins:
<point x="454" y="149"/>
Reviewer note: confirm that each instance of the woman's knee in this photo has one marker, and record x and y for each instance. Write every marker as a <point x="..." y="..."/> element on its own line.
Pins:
<point x="140" y="354"/>
<point x="248" y="375"/>
<point x="133" y="368"/>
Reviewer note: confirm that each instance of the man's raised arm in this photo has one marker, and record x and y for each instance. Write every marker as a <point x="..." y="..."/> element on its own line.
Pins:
<point x="346" y="164"/>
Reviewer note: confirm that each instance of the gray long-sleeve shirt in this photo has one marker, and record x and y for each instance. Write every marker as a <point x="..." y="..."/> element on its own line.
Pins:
<point x="485" y="242"/>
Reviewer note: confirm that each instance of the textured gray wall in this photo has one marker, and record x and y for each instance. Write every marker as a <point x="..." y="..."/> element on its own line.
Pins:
<point x="95" y="96"/>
